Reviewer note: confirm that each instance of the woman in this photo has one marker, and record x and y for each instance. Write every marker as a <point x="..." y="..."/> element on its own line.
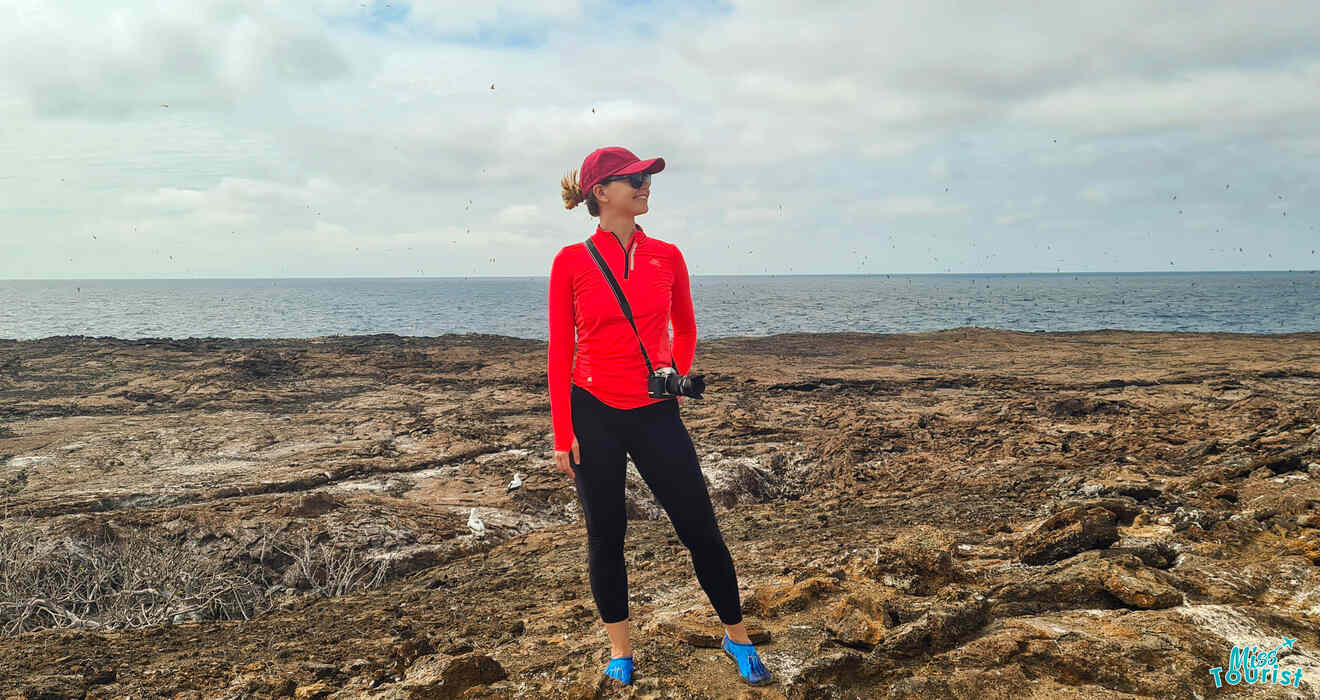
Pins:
<point x="602" y="411"/>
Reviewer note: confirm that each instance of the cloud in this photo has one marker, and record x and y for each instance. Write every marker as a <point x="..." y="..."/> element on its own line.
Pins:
<point x="939" y="168"/>
<point x="244" y="197"/>
<point x="451" y="18"/>
<point x="1010" y="219"/>
<point x="374" y="125"/>
<point x="1220" y="100"/>
<point x="911" y="205"/>
<point x="1097" y="194"/>
<point x="90" y="60"/>
<point x="752" y="215"/>
<point x="521" y="216"/>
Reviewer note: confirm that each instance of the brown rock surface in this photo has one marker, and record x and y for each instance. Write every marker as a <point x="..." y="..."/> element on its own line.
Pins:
<point x="701" y="628"/>
<point x="443" y="677"/>
<point x="1068" y="532"/>
<point x="858" y="620"/>
<point x="881" y="495"/>
<point x="775" y="600"/>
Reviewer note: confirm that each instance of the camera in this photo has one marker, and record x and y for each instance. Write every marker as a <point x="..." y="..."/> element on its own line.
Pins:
<point x="666" y="382"/>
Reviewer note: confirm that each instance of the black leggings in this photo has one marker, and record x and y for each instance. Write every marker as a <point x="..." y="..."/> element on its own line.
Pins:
<point x="660" y="446"/>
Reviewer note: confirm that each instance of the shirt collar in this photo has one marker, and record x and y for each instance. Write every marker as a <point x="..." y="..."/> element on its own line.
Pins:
<point x="603" y="235"/>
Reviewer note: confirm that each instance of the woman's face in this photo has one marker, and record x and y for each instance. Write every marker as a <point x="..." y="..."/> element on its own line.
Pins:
<point x="619" y="196"/>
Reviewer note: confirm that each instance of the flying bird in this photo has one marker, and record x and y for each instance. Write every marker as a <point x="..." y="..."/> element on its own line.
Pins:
<point x="474" y="523"/>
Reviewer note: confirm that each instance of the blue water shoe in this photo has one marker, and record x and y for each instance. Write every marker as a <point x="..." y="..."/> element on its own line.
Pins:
<point x="620" y="668"/>
<point x="749" y="664"/>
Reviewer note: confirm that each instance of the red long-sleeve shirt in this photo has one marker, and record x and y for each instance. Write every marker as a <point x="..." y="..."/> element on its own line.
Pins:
<point x="609" y="363"/>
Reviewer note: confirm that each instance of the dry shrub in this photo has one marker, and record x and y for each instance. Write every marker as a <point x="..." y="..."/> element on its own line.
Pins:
<point x="108" y="581"/>
<point x="112" y="580"/>
<point x="328" y="571"/>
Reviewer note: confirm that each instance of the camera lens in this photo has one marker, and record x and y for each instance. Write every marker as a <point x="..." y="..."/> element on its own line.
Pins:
<point x="692" y="385"/>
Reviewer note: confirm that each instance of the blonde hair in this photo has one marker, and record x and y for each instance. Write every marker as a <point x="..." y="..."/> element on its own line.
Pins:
<point x="574" y="196"/>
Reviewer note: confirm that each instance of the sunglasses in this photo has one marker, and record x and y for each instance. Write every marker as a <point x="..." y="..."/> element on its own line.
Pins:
<point x="635" y="179"/>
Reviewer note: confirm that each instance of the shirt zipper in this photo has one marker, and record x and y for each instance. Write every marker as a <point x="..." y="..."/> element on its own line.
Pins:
<point x="627" y="265"/>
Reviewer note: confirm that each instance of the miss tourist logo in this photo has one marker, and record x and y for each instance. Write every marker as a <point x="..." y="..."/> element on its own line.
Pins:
<point x="1250" y="665"/>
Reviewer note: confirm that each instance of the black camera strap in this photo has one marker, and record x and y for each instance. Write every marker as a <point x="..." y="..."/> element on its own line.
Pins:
<point x="623" y="302"/>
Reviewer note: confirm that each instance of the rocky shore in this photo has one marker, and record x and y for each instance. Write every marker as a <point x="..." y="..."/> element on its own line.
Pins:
<point x="963" y="513"/>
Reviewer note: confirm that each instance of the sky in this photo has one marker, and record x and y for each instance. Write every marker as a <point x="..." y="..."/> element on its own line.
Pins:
<point x="392" y="139"/>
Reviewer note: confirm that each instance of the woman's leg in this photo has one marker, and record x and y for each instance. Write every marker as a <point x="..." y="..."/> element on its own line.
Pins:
<point x="665" y="457"/>
<point x="599" y="480"/>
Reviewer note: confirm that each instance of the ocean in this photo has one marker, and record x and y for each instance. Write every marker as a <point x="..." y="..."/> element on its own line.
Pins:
<point x="734" y="305"/>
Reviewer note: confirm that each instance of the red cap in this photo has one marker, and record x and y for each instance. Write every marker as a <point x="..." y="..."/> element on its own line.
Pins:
<point x="613" y="160"/>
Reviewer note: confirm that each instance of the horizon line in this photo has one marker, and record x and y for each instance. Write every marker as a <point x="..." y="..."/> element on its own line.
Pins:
<point x="693" y="275"/>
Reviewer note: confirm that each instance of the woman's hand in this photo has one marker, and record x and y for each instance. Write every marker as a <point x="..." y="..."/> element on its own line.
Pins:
<point x="562" y="458"/>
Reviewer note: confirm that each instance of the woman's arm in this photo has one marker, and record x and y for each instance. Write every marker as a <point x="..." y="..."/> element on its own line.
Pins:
<point x="682" y="316"/>
<point x="559" y="362"/>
